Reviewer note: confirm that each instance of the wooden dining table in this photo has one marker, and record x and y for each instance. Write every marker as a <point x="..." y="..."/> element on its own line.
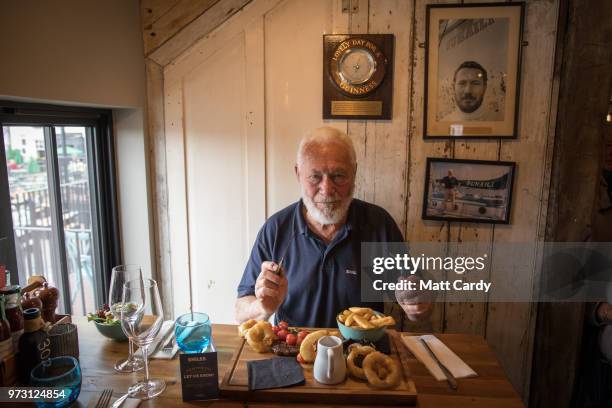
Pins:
<point x="98" y="354"/>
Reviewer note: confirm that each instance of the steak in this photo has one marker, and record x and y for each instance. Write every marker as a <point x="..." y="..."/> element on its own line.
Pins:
<point x="281" y="348"/>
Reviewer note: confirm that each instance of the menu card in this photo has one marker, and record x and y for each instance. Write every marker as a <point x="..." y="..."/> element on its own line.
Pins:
<point x="199" y="376"/>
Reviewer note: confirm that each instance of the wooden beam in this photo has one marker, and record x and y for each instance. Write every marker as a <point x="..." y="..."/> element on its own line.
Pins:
<point x="159" y="185"/>
<point x="584" y="40"/>
<point x="174" y="45"/>
<point x="152" y="10"/>
<point x="175" y="19"/>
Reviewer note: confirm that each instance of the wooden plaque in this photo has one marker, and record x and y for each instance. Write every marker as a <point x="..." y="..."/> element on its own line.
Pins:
<point x="357" y="76"/>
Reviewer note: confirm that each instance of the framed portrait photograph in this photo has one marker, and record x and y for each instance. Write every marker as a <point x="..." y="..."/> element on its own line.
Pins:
<point x="472" y="70"/>
<point x="468" y="190"/>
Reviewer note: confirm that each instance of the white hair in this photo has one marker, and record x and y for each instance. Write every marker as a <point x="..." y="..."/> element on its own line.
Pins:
<point x="327" y="135"/>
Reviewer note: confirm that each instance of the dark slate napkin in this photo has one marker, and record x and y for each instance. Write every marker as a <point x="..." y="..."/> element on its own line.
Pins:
<point x="381" y="345"/>
<point x="276" y="372"/>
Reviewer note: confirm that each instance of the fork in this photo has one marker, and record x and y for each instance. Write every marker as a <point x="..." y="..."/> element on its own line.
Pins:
<point x="105" y="398"/>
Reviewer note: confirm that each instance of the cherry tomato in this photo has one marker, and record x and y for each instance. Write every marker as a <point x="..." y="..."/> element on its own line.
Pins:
<point x="291" y="339"/>
<point x="275" y="329"/>
<point x="282" y="334"/>
<point x="299" y="341"/>
<point x="300" y="359"/>
<point x="283" y="325"/>
<point x="301" y="335"/>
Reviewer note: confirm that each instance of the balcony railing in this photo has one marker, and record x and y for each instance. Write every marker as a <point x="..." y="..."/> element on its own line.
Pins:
<point x="36" y="254"/>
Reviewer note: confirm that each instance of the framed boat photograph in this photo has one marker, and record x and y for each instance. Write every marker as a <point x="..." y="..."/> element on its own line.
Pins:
<point x="472" y="70"/>
<point x="468" y="190"/>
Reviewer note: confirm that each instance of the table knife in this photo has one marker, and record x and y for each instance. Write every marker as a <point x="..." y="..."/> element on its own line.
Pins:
<point x="279" y="269"/>
<point x="452" y="382"/>
<point x="280" y="266"/>
<point x="162" y="341"/>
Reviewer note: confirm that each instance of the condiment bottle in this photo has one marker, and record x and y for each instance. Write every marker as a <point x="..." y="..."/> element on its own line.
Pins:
<point x="5" y="328"/>
<point x="4" y="273"/>
<point x="49" y="296"/>
<point x="13" y="311"/>
<point x="29" y="301"/>
<point x="33" y="344"/>
<point x="6" y="340"/>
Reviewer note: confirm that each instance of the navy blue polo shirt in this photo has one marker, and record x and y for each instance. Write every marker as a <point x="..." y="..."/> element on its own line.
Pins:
<point x="323" y="279"/>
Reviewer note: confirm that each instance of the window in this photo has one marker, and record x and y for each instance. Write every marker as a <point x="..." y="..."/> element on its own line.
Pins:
<point x="61" y="221"/>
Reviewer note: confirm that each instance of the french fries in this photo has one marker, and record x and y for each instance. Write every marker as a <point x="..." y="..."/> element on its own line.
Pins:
<point x="385" y="321"/>
<point x="349" y="320"/>
<point x="362" y="322"/>
<point x="364" y="318"/>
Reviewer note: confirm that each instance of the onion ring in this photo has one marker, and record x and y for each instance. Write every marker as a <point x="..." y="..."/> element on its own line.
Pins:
<point x="354" y="359"/>
<point x="260" y="337"/>
<point x="308" y="348"/>
<point x="244" y="327"/>
<point x="380" y="370"/>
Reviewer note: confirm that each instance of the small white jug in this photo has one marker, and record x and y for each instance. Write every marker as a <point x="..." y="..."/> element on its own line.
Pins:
<point x="329" y="366"/>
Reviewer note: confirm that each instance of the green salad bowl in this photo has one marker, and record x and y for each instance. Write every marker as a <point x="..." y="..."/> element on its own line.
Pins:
<point x="112" y="331"/>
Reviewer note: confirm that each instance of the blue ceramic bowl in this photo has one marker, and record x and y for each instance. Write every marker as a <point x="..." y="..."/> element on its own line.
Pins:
<point x="357" y="334"/>
<point x="112" y="331"/>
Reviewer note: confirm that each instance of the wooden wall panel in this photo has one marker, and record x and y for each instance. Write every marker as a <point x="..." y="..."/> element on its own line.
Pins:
<point x="470" y="317"/>
<point x="218" y="177"/>
<point x="390" y="148"/>
<point x="255" y="127"/>
<point x="386" y="149"/>
<point x="214" y="125"/>
<point x="356" y="129"/>
<point x="293" y="60"/>
<point x="418" y="230"/>
<point x="510" y="325"/>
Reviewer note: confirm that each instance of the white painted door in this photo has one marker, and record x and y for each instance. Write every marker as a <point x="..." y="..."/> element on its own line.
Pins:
<point x="236" y="105"/>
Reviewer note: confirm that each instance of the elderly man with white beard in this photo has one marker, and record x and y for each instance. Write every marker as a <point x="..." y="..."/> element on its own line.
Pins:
<point x="305" y="264"/>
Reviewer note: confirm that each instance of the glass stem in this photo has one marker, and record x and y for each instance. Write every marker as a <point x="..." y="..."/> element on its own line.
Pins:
<point x="145" y="356"/>
<point x="130" y="350"/>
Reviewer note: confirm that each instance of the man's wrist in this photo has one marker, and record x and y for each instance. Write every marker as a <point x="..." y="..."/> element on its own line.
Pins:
<point x="258" y="311"/>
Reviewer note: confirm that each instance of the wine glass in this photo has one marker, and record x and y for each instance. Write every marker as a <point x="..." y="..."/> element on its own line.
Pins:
<point x="120" y="275"/>
<point x="141" y="319"/>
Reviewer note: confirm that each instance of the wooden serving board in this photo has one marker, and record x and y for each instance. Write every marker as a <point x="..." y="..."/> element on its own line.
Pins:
<point x="235" y="385"/>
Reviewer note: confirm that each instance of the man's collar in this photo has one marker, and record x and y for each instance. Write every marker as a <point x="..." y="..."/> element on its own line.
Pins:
<point x="351" y="218"/>
<point x="299" y="222"/>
